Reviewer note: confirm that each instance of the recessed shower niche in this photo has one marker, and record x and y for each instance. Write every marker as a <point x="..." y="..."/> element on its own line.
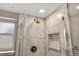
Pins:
<point x="54" y="41"/>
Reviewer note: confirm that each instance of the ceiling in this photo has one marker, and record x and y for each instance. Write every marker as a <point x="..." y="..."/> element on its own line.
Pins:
<point x="30" y="8"/>
<point x="72" y="9"/>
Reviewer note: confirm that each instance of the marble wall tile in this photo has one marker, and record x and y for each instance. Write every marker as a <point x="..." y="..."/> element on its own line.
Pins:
<point x="33" y="35"/>
<point x="53" y="26"/>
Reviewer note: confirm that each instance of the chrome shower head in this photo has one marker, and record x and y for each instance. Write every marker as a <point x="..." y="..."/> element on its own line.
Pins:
<point x="36" y="20"/>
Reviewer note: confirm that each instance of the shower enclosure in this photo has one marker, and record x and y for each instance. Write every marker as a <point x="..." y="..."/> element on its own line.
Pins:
<point x="44" y="36"/>
<point x="55" y="35"/>
<point x="35" y="40"/>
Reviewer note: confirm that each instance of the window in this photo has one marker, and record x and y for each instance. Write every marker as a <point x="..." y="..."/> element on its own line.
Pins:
<point x="6" y="28"/>
<point x="6" y="36"/>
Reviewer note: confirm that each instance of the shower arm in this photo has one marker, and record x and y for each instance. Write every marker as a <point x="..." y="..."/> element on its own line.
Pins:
<point x="35" y="20"/>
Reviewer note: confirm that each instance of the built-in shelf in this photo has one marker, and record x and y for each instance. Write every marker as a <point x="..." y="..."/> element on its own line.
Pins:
<point x="54" y="42"/>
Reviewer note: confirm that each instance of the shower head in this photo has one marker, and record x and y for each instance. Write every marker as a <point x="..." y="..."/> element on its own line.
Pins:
<point x="36" y="20"/>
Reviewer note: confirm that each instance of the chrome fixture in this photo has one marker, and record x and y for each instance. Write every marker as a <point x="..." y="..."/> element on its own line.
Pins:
<point x="36" y="20"/>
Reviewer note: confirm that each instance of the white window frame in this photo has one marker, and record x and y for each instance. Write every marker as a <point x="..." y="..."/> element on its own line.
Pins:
<point x="10" y="20"/>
